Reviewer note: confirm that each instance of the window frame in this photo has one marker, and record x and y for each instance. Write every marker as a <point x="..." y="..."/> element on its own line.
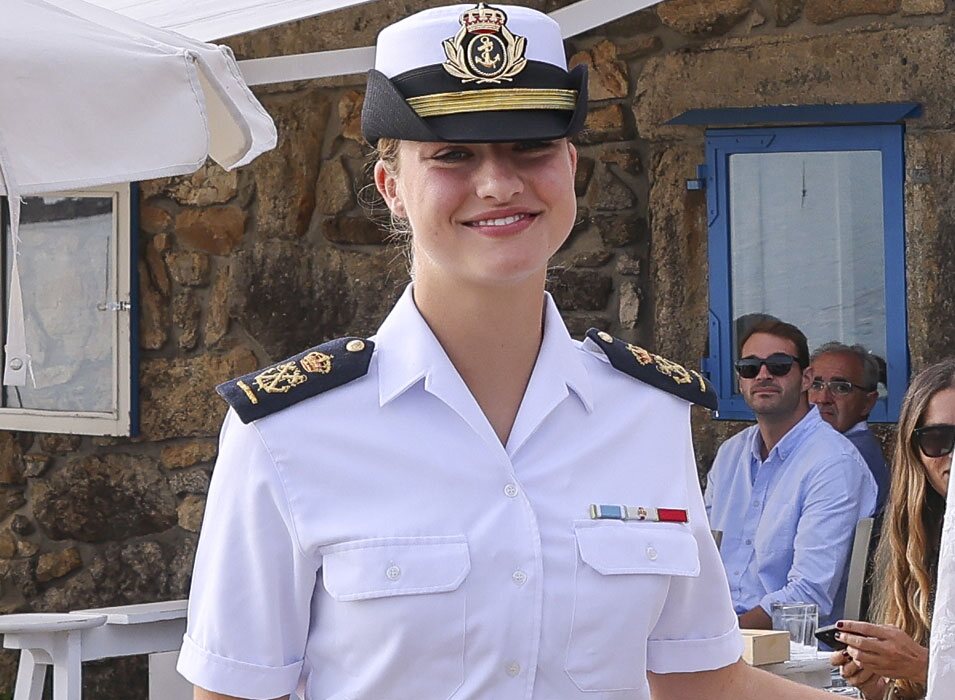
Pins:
<point x="720" y="145"/>
<point x="124" y="420"/>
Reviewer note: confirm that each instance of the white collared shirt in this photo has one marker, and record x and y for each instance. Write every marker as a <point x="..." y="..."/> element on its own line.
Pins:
<point x="378" y="542"/>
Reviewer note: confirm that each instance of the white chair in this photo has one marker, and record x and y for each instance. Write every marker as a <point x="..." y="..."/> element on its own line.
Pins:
<point x="65" y="640"/>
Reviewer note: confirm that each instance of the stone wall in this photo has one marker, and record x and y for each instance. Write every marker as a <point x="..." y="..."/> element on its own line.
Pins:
<point x="239" y="269"/>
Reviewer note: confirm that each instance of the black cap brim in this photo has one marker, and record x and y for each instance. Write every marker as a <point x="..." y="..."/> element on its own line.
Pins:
<point x="387" y="114"/>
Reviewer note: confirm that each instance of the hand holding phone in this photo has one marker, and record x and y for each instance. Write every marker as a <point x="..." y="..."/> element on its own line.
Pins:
<point x="827" y="635"/>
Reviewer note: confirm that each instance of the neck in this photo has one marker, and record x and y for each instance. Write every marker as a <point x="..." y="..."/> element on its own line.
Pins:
<point x="773" y="428"/>
<point x="491" y="335"/>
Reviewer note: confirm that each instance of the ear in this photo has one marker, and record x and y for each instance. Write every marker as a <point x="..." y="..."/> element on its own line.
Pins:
<point x="387" y="185"/>
<point x="806" y="378"/>
<point x="870" y="400"/>
<point x="572" y="149"/>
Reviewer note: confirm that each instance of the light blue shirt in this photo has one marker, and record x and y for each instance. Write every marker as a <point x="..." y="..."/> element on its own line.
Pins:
<point x="871" y="450"/>
<point x="788" y="521"/>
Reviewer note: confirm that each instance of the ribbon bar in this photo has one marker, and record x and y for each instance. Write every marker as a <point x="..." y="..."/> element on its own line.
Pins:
<point x="656" y="515"/>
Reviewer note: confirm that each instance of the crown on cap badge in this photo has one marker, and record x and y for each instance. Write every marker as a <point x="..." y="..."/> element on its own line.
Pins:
<point x="484" y="50"/>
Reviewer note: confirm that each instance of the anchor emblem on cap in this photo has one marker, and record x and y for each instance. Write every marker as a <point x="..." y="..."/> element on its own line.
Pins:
<point x="484" y="50"/>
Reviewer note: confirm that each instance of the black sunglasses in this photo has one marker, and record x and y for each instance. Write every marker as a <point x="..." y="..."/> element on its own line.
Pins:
<point x="935" y="440"/>
<point x="778" y="364"/>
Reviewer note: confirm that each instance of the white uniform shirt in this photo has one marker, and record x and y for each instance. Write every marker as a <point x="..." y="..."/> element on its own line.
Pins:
<point x="377" y="542"/>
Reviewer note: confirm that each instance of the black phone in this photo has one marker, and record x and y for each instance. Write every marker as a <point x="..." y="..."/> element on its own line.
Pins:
<point x="827" y="635"/>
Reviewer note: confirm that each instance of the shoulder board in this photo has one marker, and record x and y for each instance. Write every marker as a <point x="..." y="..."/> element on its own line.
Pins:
<point x="655" y="370"/>
<point x="266" y="391"/>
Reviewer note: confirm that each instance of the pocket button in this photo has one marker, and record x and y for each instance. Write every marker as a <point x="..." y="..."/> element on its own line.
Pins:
<point x="393" y="572"/>
<point x="651" y="553"/>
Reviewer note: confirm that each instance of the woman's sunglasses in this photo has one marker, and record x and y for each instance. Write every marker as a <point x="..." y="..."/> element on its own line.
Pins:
<point x="778" y="364"/>
<point x="935" y="440"/>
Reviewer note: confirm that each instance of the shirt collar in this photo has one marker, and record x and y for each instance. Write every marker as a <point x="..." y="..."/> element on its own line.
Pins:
<point x="791" y="440"/>
<point x="407" y="352"/>
<point x="860" y="427"/>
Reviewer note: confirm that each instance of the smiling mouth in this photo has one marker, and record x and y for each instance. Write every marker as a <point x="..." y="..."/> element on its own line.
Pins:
<point x="502" y="221"/>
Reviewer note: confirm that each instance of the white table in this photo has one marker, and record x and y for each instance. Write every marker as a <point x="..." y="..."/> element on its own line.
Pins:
<point x="65" y="640"/>
<point x="815" y="672"/>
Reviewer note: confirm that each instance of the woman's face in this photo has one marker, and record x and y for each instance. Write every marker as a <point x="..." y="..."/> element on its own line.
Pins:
<point x="940" y="411"/>
<point x="487" y="214"/>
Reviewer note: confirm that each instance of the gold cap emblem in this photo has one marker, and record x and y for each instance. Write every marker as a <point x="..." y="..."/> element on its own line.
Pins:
<point x="484" y="50"/>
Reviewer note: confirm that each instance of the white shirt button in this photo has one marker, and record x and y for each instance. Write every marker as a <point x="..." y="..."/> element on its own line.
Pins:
<point x="393" y="572"/>
<point x="512" y="669"/>
<point x="519" y="577"/>
<point x="510" y="491"/>
<point x="651" y="553"/>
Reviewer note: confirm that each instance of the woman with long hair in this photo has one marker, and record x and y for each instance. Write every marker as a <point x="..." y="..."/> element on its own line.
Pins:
<point x="470" y="504"/>
<point x="890" y="659"/>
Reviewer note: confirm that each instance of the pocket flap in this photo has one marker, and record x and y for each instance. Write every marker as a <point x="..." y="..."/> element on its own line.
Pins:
<point x="391" y="566"/>
<point x="631" y="548"/>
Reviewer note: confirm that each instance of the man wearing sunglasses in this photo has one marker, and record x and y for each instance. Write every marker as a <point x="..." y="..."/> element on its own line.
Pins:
<point x="787" y="492"/>
<point x="844" y="387"/>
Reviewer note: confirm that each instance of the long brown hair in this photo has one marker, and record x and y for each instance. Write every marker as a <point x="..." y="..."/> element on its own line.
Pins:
<point x="907" y="557"/>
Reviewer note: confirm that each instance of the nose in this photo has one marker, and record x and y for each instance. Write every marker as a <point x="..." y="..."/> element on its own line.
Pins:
<point x="764" y="372"/>
<point x="498" y="178"/>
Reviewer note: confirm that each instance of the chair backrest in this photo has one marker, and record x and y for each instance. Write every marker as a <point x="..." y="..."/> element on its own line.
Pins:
<point x="858" y="567"/>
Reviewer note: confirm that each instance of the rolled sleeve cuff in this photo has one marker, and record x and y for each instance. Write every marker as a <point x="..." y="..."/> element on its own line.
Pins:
<point x="219" y="674"/>
<point x="688" y="655"/>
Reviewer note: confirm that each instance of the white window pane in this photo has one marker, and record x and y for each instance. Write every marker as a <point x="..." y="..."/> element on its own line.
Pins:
<point x="67" y="276"/>
<point x="807" y="243"/>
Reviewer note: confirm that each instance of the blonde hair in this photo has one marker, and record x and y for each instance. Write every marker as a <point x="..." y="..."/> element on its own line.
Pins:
<point x="907" y="556"/>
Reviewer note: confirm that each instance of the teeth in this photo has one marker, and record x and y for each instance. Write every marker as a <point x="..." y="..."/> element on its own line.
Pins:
<point x="502" y="222"/>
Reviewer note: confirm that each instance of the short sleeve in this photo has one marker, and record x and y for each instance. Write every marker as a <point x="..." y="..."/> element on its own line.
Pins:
<point x="698" y="628"/>
<point x="252" y="584"/>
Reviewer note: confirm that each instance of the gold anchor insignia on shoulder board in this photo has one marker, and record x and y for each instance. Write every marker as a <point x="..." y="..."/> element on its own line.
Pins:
<point x="317" y="362"/>
<point x="279" y="379"/>
<point x="673" y="370"/>
<point x="484" y="50"/>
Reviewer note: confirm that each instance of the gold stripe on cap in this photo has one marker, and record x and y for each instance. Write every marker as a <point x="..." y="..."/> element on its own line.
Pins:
<point x="443" y="103"/>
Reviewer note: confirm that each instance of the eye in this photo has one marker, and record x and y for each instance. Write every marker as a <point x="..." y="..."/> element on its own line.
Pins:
<point x="451" y="155"/>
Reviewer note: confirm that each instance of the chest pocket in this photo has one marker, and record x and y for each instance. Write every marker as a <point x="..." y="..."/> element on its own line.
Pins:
<point x="621" y="582"/>
<point x="394" y="600"/>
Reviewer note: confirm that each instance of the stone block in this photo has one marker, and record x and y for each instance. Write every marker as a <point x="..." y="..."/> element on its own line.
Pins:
<point x="34" y="465"/>
<point x="190" y="513"/>
<point x="186" y="481"/>
<point x="859" y="66"/>
<point x="334" y="188"/>
<point x="215" y="230"/>
<point x="579" y="323"/>
<point x="188" y="454"/>
<point x="638" y="46"/>
<point x="618" y="230"/>
<point x="102" y="498"/>
<point x="349" y="113"/>
<point x="607" y="123"/>
<point x="629" y="309"/>
<point x="185" y="314"/>
<point x="607" y="76"/>
<point x="585" y="170"/>
<point x="188" y="267"/>
<point x="825" y="11"/>
<point x="154" y="314"/>
<point x="355" y="230"/>
<point x="154" y="219"/>
<point x="178" y="397"/>
<point x="27" y="549"/>
<point x="922" y="7"/>
<point x="702" y="17"/>
<point x="580" y="290"/>
<point x="609" y="192"/>
<point x="10" y="501"/>
<point x="217" y="309"/>
<point x="11" y="460"/>
<point x="21" y="525"/>
<point x="8" y="545"/>
<point x="158" y="274"/>
<point x="58" y="564"/>
<point x="788" y="11"/>
<point x="53" y="443"/>
<point x="679" y="277"/>
<point x="628" y="265"/>
<point x="211" y="184"/>
<point x="285" y="177"/>
<point x="290" y="298"/>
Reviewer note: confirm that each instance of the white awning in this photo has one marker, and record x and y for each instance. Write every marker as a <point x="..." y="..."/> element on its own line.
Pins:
<point x="214" y="19"/>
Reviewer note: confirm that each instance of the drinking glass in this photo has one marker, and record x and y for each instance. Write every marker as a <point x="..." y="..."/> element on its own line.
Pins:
<point x="800" y="620"/>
